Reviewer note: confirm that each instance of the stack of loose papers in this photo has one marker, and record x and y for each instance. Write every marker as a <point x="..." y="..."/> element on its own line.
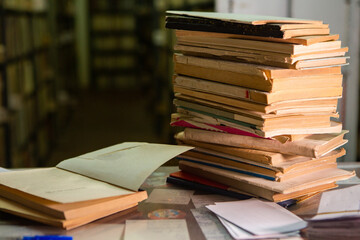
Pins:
<point x="338" y="215"/>
<point x="257" y="96"/>
<point x="255" y="219"/>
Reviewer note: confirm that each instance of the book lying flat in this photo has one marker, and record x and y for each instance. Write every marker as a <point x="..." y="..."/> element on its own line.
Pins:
<point x="255" y="25"/>
<point x="303" y="40"/>
<point x="327" y="107"/>
<point x="285" y="48"/>
<point x="233" y="91"/>
<point x="259" y="77"/>
<point x="17" y="209"/>
<point x="315" y="145"/>
<point x="251" y="117"/>
<point x="252" y="169"/>
<point x="293" y="106"/>
<point x="327" y="58"/>
<point x="273" y="191"/>
<point x="281" y="162"/>
<point x="94" y="184"/>
<point x="280" y="172"/>
<point x="190" y="180"/>
<point x="211" y="123"/>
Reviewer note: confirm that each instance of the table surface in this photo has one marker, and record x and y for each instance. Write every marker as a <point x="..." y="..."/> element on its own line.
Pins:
<point x="112" y="227"/>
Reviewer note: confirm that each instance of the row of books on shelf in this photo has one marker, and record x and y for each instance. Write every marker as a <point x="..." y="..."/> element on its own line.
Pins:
<point x="104" y="22"/>
<point x="25" y="5"/>
<point x="24" y="34"/>
<point x="258" y="97"/>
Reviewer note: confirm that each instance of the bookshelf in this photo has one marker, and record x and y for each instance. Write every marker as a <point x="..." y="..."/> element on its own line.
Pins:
<point x="113" y="44"/>
<point x="29" y="78"/>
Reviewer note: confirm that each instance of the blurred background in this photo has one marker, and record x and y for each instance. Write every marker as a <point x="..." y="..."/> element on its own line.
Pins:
<point x="78" y="75"/>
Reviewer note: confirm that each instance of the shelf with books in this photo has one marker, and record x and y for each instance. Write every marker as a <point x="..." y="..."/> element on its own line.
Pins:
<point x="29" y="81"/>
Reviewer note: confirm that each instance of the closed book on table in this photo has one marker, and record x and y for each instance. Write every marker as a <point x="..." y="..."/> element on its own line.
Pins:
<point x="315" y="145"/>
<point x="260" y="77"/>
<point x="274" y="191"/>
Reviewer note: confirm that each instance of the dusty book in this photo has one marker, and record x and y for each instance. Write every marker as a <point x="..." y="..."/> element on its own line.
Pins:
<point x="285" y="48"/>
<point x="333" y="57"/>
<point x="282" y="162"/>
<point x="233" y="91"/>
<point x="315" y="145"/>
<point x="254" y="168"/>
<point x="254" y="25"/>
<point x="293" y="106"/>
<point x="99" y="183"/>
<point x="252" y="117"/>
<point x="273" y="191"/>
<point x="303" y="40"/>
<point x="259" y="77"/>
<point x="319" y="125"/>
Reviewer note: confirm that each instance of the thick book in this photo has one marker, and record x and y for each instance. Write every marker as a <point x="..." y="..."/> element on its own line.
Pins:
<point x="273" y="191"/>
<point x="257" y="171"/>
<point x="321" y="58"/>
<point x="21" y="210"/>
<point x="282" y="162"/>
<point x="254" y="25"/>
<point x="193" y="181"/>
<point x="290" y="106"/>
<point x="237" y="92"/>
<point x="254" y="168"/>
<point x="284" y="48"/>
<point x="94" y="184"/>
<point x="251" y="117"/>
<point x="324" y="107"/>
<point x="303" y="40"/>
<point x="315" y="145"/>
<point x="259" y="77"/>
<point x="316" y="125"/>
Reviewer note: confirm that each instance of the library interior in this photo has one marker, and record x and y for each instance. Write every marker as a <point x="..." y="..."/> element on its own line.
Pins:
<point x="152" y="99"/>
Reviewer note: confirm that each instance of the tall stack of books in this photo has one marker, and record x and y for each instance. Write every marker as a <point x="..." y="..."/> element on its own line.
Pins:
<point x="257" y="96"/>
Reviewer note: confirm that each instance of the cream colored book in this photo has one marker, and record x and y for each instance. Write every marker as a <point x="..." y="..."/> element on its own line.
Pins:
<point x="293" y="106"/>
<point x="304" y="40"/>
<point x="288" y="48"/>
<point x="251" y="117"/>
<point x="299" y="61"/>
<point x="260" y="77"/>
<point x="315" y="145"/>
<point x="273" y="191"/>
<point x="283" y="162"/>
<point x="233" y="91"/>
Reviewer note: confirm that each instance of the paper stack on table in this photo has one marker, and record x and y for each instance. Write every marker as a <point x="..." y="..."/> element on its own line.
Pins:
<point x="255" y="219"/>
<point x="257" y="96"/>
<point x="338" y="215"/>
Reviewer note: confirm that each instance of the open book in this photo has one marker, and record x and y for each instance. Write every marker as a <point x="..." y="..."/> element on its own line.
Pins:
<point x="82" y="189"/>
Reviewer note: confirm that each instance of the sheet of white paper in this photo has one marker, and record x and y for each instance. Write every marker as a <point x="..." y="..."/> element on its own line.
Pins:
<point x="329" y="216"/>
<point x="4" y="170"/>
<point x="59" y="185"/>
<point x="208" y="199"/>
<point x="239" y="233"/>
<point x="352" y="180"/>
<point x="340" y="200"/>
<point x="170" y="196"/>
<point x="156" y="229"/>
<point x="257" y="217"/>
<point x="126" y="165"/>
<point x="210" y="225"/>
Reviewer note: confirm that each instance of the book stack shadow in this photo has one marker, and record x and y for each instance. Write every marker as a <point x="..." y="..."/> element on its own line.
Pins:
<point x="257" y="97"/>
